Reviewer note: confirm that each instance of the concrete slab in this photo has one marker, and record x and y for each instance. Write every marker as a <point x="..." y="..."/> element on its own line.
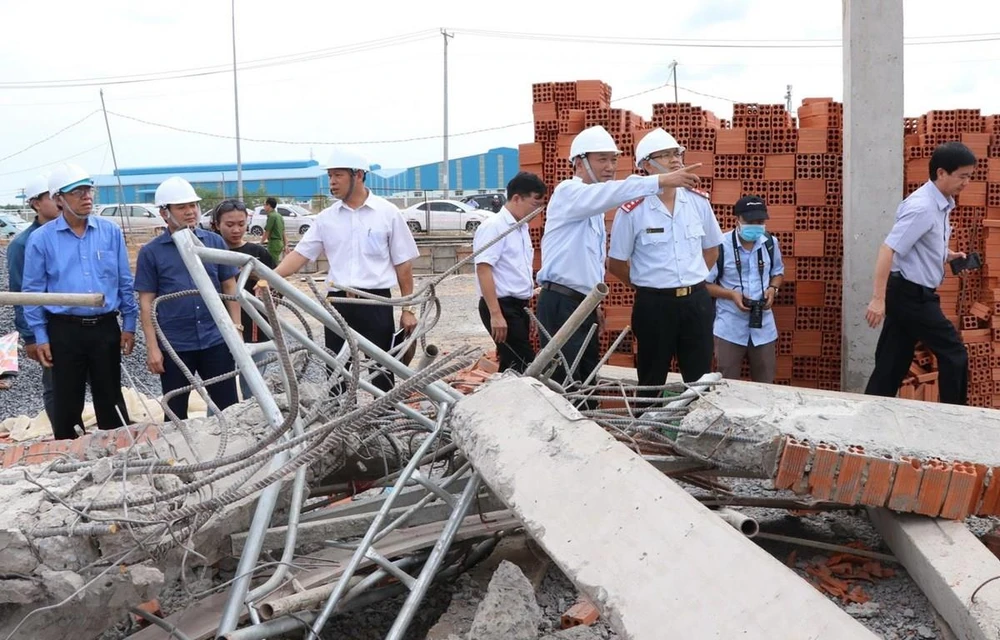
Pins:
<point x="632" y="540"/>
<point x="949" y="564"/>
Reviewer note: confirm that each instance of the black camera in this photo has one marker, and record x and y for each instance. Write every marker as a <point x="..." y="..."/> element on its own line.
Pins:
<point x="756" y="312"/>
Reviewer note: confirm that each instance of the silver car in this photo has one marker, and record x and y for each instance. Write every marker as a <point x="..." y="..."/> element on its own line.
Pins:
<point x="11" y="225"/>
<point x="133" y="216"/>
<point x="444" y="215"/>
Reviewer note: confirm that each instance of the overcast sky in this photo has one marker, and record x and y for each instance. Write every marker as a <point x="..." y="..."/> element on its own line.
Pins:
<point x="372" y="79"/>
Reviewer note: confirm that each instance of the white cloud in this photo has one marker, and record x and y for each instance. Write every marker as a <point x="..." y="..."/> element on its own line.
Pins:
<point x="396" y="92"/>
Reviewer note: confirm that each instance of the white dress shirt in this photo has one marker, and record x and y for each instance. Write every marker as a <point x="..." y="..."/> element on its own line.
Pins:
<point x="363" y="245"/>
<point x="573" y="245"/>
<point x="665" y="250"/>
<point x="511" y="258"/>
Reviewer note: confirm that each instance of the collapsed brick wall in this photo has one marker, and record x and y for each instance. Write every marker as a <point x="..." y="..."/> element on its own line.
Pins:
<point x="796" y="164"/>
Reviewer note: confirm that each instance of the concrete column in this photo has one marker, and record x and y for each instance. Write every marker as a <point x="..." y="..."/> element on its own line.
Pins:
<point x="873" y="164"/>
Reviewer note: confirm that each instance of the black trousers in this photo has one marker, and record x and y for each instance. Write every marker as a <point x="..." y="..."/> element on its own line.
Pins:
<point x="664" y="326"/>
<point x="374" y="322"/>
<point x="515" y="352"/>
<point x="913" y="313"/>
<point x="554" y="309"/>
<point x="81" y="350"/>
<point x="207" y="363"/>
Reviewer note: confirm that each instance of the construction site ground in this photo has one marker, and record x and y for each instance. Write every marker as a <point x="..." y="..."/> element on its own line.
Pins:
<point x="893" y="606"/>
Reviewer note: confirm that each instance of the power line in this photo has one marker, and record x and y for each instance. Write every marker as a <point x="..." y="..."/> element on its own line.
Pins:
<point x="178" y="74"/>
<point x="35" y="144"/>
<point x="708" y="44"/>
<point x="365" y="142"/>
<point x="49" y="164"/>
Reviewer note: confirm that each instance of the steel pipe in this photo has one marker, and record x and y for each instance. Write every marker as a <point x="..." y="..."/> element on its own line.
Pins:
<point x="574" y="322"/>
<point x="740" y="521"/>
<point x="430" y="353"/>
<point x="16" y="299"/>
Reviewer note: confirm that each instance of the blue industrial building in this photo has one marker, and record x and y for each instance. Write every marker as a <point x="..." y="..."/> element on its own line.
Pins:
<point x="303" y="180"/>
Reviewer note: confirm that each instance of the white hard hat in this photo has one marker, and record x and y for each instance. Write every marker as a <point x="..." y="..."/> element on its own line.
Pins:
<point x="175" y="190"/>
<point x="36" y="187"/>
<point x="654" y="141"/>
<point x="596" y="139"/>
<point x="67" y="177"/>
<point x="347" y="159"/>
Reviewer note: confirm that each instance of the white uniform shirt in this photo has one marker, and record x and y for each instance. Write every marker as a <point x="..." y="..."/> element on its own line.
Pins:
<point x="573" y="245"/>
<point x="511" y="258"/>
<point x="363" y="245"/>
<point x="665" y="250"/>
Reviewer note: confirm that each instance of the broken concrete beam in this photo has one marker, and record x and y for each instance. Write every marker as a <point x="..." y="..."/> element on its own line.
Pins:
<point x="632" y="540"/>
<point x="509" y="611"/>
<point x="906" y="455"/>
<point x="949" y="564"/>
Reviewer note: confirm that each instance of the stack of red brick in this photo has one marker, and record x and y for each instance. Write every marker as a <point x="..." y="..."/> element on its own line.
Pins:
<point x="971" y="301"/>
<point x="796" y="165"/>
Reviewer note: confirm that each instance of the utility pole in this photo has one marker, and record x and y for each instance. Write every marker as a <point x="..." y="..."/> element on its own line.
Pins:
<point x="114" y="160"/>
<point x="788" y="98"/>
<point x="673" y="70"/>
<point x="236" y="101"/>
<point x="444" y="171"/>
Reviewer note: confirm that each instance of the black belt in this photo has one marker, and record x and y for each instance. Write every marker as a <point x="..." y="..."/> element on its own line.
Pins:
<point x="676" y="292"/>
<point x="566" y="291"/>
<point x="513" y="300"/>
<point x="83" y="321"/>
<point x="907" y="285"/>
<point x="385" y="293"/>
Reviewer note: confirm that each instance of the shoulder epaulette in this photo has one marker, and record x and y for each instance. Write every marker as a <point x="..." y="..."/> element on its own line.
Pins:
<point x="629" y="206"/>
<point x="703" y="194"/>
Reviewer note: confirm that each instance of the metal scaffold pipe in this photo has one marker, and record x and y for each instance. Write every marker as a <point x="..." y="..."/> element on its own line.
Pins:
<point x="576" y="319"/>
<point x="52" y="299"/>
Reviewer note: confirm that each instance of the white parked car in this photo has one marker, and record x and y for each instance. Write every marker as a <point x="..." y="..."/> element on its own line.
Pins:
<point x="444" y="215"/>
<point x="133" y="216"/>
<point x="11" y="225"/>
<point x="297" y="219"/>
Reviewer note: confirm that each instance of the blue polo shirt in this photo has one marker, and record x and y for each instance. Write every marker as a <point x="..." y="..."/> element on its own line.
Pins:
<point x="186" y="321"/>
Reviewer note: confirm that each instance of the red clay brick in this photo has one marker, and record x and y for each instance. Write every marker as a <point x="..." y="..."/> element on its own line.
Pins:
<point x="583" y="613"/>
<point x="852" y="467"/>
<point x="795" y="457"/>
<point x="962" y="487"/>
<point x="821" y="477"/>
<point x="906" y="485"/>
<point x="991" y="496"/>
<point x="933" y="487"/>
<point x="976" y="499"/>
<point x="878" y="483"/>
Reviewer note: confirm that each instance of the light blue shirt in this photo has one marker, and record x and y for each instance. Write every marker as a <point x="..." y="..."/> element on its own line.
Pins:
<point x="15" y="275"/>
<point x="574" y="241"/>
<point x="920" y="236"/>
<point x="664" y="250"/>
<point x="731" y="324"/>
<point x="59" y="261"/>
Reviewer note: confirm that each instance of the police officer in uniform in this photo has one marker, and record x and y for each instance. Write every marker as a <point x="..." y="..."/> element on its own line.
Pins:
<point x="908" y="270"/>
<point x="574" y="241"/>
<point x="664" y="247"/>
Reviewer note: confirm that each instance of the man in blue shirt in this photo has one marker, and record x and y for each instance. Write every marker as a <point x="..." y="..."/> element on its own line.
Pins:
<point x="186" y="322"/>
<point x="80" y="253"/>
<point x="751" y="274"/>
<point x="908" y="270"/>
<point x="37" y="196"/>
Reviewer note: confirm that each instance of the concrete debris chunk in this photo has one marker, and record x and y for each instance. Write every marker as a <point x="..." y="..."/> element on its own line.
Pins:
<point x="15" y="553"/>
<point x="509" y="611"/>
<point x="573" y="633"/>
<point x="61" y="584"/>
<point x="20" y="591"/>
<point x="866" y="610"/>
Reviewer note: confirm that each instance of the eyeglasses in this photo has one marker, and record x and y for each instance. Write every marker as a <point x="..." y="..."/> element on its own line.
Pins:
<point x="80" y="192"/>
<point x="667" y="155"/>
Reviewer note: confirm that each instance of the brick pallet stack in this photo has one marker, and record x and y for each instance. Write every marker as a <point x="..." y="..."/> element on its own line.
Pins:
<point x="796" y="165"/>
<point x="971" y="301"/>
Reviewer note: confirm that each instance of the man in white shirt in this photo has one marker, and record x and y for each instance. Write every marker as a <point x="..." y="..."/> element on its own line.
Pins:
<point x="574" y="242"/>
<point x="503" y="272"/>
<point x="369" y="248"/>
<point x="664" y="247"/>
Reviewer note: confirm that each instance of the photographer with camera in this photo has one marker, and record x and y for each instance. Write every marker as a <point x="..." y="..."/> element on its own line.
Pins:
<point x="909" y="268"/>
<point x="745" y="281"/>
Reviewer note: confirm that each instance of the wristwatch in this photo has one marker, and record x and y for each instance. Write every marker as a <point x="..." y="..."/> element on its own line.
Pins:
<point x="773" y="287"/>
<point x="408" y="308"/>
